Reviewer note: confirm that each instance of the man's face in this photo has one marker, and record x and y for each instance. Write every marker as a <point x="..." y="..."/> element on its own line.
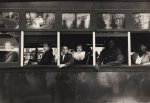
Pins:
<point x="143" y="48"/>
<point x="65" y="50"/>
<point x="46" y="47"/>
<point x="79" y="48"/>
<point x="111" y="44"/>
<point x="8" y="46"/>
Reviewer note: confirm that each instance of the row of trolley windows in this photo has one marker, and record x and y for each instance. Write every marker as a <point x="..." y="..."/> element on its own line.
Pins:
<point x="78" y="20"/>
<point x="45" y="48"/>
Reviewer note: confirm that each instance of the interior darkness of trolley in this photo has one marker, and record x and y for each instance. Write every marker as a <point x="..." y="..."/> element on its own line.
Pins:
<point x="138" y="39"/>
<point x="34" y="50"/>
<point x="73" y="40"/>
<point x="120" y="42"/>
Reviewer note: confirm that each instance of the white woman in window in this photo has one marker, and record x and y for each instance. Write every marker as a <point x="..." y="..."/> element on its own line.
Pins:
<point x="12" y="54"/>
<point x="142" y="57"/>
<point x="79" y="55"/>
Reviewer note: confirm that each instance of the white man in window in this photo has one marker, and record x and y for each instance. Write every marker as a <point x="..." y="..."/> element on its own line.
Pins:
<point x="66" y="58"/>
<point x="142" y="57"/>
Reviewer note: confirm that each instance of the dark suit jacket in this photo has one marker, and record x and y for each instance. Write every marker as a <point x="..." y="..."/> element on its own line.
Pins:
<point x="68" y="60"/>
<point x="47" y="58"/>
<point x="11" y="57"/>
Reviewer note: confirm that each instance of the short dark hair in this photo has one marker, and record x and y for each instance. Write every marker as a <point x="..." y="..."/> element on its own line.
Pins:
<point x="80" y="45"/>
<point x="64" y="45"/>
<point x="49" y="44"/>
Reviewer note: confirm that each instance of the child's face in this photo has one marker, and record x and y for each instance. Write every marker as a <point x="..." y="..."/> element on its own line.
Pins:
<point x="79" y="48"/>
<point x="65" y="50"/>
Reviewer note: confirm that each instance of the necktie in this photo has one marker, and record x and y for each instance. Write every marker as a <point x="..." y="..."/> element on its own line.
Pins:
<point x="63" y="58"/>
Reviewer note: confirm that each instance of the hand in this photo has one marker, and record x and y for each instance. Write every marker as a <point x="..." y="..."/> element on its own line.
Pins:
<point x="57" y="57"/>
<point x="62" y="65"/>
<point x="34" y="63"/>
<point x="138" y="61"/>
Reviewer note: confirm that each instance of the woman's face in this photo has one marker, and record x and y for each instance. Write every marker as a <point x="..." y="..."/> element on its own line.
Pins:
<point x="143" y="48"/>
<point x="8" y="46"/>
<point x="111" y="44"/>
<point x="79" y="48"/>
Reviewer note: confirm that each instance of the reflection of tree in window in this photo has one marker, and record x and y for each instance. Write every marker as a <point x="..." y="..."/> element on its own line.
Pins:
<point x="113" y="24"/>
<point x="68" y="21"/>
<point x="83" y="21"/>
<point x="141" y="20"/>
<point x="101" y="23"/>
<point x="64" y="26"/>
<point x="73" y="24"/>
<point x="137" y="22"/>
<point x="119" y="20"/>
<point x="107" y="20"/>
<point x="49" y="20"/>
<point x="2" y="22"/>
<point x="111" y="21"/>
<point x="81" y="26"/>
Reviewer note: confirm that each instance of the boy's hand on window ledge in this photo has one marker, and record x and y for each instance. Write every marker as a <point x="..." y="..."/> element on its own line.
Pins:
<point x="62" y="66"/>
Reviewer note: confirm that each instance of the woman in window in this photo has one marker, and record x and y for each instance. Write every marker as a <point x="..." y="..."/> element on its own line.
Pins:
<point x="142" y="57"/>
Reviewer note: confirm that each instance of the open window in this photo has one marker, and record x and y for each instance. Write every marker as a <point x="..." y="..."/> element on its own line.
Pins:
<point x="80" y="46"/>
<point x="140" y="48"/>
<point x="40" y="48"/>
<point x="111" y="48"/>
<point x="9" y="48"/>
